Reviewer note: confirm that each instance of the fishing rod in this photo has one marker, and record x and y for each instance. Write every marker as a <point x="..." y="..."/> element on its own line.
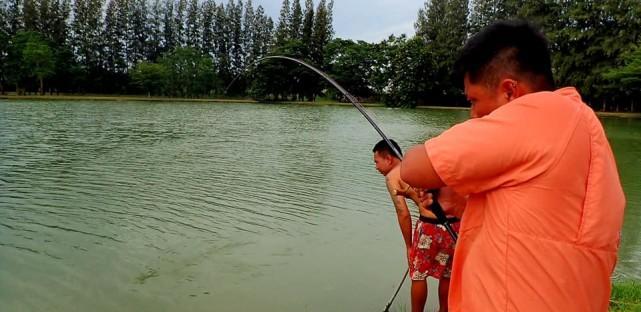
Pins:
<point x="389" y="304"/>
<point x="435" y="207"/>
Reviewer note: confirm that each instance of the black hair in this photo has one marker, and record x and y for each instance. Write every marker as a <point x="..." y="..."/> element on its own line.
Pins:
<point x="383" y="147"/>
<point x="515" y="47"/>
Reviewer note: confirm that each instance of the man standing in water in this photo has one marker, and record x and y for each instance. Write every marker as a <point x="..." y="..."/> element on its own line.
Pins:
<point x="429" y="252"/>
<point x="542" y="224"/>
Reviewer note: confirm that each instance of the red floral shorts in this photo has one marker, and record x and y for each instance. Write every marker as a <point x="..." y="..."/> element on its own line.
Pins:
<point x="432" y="251"/>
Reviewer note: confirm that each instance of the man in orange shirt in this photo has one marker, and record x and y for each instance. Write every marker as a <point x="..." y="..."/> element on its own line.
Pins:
<point x="542" y="224"/>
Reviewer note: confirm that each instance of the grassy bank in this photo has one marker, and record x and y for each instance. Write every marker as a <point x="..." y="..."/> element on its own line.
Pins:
<point x="165" y="99"/>
<point x="626" y="296"/>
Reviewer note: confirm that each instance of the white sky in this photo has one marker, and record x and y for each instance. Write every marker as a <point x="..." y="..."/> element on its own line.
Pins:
<point x="368" y="20"/>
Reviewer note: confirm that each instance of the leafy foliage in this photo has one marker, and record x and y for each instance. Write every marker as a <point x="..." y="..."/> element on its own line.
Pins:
<point x="196" y="47"/>
<point x="151" y="77"/>
<point x="190" y="73"/>
<point x="37" y="59"/>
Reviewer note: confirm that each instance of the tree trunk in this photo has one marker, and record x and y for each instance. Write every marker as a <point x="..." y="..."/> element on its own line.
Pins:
<point x="42" y="88"/>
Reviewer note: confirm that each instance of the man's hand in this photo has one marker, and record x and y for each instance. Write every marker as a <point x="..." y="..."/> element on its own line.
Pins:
<point x="425" y="199"/>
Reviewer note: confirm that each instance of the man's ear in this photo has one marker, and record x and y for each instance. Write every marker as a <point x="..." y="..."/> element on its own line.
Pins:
<point x="509" y="87"/>
<point x="389" y="158"/>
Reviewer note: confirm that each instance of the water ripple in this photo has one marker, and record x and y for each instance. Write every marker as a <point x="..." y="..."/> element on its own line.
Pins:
<point x="121" y="185"/>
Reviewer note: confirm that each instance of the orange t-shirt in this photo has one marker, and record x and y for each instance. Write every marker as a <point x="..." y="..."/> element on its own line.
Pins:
<point x="541" y="228"/>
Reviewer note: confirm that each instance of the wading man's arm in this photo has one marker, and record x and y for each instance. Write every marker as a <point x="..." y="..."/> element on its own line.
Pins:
<point x="402" y="211"/>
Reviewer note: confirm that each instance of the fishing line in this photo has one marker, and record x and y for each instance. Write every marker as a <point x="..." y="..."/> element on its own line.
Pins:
<point x="435" y="207"/>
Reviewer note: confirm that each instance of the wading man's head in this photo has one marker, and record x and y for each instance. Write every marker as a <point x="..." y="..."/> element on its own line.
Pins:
<point x="384" y="157"/>
<point x="504" y="61"/>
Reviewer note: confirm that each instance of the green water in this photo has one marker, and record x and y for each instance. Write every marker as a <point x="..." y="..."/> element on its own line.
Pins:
<point x="215" y="207"/>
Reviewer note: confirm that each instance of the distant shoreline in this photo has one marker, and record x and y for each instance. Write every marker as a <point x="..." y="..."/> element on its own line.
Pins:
<point x="117" y="98"/>
<point x="120" y="98"/>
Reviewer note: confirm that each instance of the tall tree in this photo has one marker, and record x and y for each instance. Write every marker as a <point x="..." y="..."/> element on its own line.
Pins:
<point x="4" y="21"/>
<point x="179" y="22"/>
<point x="137" y="32"/>
<point x="430" y="24"/>
<point x="485" y="12"/>
<point x="308" y="82"/>
<point x="87" y="40"/>
<point x="45" y="17"/>
<point x="155" y="41"/>
<point x="250" y="32"/>
<point x="322" y="32"/>
<point x="235" y="14"/>
<point x="330" y="18"/>
<point x="442" y="24"/>
<point x="63" y="77"/>
<point x="308" y="25"/>
<point x="282" y="30"/>
<point x="4" y="45"/>
<point x="457" y="24"/>
<point x="222" y="41"/>
<point x="14" y="16"/>
<point x="193" y="28"/>
<point x="60" y="10"/>
<point x="207" y="39"/>
<point x="114" y="33"/>
<point x="30" y="15"/>
<point x="264" y="26"/>
<point x="170" y="39"/>
<point x="296" y="20"/>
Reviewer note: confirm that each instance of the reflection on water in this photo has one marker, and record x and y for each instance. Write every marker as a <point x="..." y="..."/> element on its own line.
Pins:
<point x="625" y="137"/>
<point x="167" y="206"/>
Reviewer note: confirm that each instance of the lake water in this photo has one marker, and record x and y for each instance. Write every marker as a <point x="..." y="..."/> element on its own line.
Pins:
<point x="126" y="206"/>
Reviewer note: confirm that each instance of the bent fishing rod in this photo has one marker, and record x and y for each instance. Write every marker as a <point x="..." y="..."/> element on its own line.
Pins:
<point x="435" y="207"/>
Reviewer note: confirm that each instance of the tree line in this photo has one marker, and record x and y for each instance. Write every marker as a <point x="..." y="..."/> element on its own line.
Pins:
<point x="595" y="46"/>
<point x="195" y="48"/>
<point x="162" y="47"/>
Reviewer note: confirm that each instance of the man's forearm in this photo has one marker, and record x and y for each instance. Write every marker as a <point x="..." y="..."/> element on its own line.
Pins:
<point x="405" y="224"/>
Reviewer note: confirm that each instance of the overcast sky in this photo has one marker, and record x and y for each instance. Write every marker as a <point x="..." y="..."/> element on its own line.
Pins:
<point x="369" y="20"/>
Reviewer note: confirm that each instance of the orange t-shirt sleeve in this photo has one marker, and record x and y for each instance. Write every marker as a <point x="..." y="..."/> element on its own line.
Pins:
<point x="482" y="154"/>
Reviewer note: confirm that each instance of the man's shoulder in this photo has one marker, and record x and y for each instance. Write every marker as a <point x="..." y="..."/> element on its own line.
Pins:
<point x="564" y="98"/>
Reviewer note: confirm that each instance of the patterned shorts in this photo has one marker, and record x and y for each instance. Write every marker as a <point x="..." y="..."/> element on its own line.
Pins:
<point x="432" y="251"/>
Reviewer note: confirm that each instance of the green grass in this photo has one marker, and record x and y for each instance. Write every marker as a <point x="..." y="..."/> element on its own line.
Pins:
<point x="626" y="296"/>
